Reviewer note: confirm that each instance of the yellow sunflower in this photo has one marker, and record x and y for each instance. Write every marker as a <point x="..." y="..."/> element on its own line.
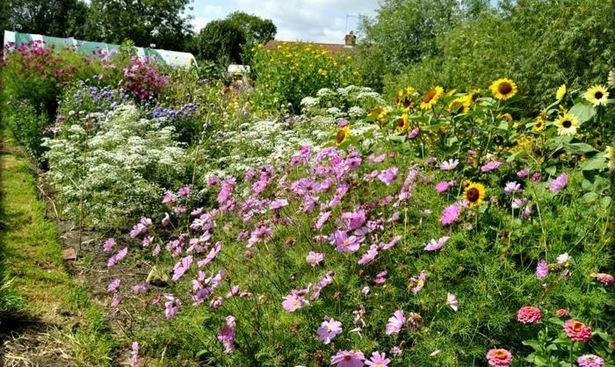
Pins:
<point x="431" y="97"/>
<point x="540" y="122"/>
<point x="503" y="89"/>
<point x="610" y="155"/>
<point x="561" y="92"/>
<point x="403" y="123"/>
<point x="597" y="95"/>
<point x="474" y="193"/>
<point x="567" y="125"/>
<point x="505" y="116"/>
<point x="460" y="105"/>
<point x="342" y="135"/>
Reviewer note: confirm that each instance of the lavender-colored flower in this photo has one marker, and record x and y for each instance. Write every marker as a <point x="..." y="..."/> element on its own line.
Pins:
<point x="449" y="165"/>
<point x="490" y="166"/>
<point x="139" y="288"/>
<point x="396" y="351"/>
<point x="389" y="175"/>
<point x="378" y="360"/>
<point x="348" y="358"/>
<point x="108" y="245"/>
<point x="293" y="302"/>
<point x="328" y="330"/>
<point x="278" y="203"/>
<point x="418" y="283"/>
<point x="184" y="191"/>
<point x="523" y="173"/>
<point x="395" y="323"/>
<point x="226" y="334"/>
<point x="116" y="300"/>
<point x="434" y="245"/>
<point x="134" y="354"/>
<point x="542" y="269"/>
<point x="369" y="256"/>
<point x="443" y="186"/>
<point x="117" y="257"/>
<point x="512" y="187"/>
<point x="181" y="268"/>
<point x="450" y="214"/>
<point x="113" y="285"/>
<point x="171" y="306"/>
<point x="451" y="300"/>
<point x="315" y="258"/>
<point x="377" y="159"/>
<point x="559" y="183"/>
<point x="517" y="203"/>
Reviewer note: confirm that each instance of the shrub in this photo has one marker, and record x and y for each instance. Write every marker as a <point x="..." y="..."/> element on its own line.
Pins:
<point x="108" y="168"/>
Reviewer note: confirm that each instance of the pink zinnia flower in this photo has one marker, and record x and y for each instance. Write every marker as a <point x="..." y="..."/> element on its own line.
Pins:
<point x="603" y="278"/>
<point x="378" y="360"/>
<point x="490" y="166"/>
<point x="562" y="312"/>
<point x="450" y="214"/>
<point x="559" y="183"/>
<point x="449" y="165"/>
<point x="499" y="357"/>
<point x="590" y="360"/>
<point x="328" y="330"/>
<point x="529" y="315"/>
<point x="434" y="245"/>
<point x="315" y="258"/>
<point x="451" y="300"/>
<point x="395" y="323"/>
<point x="348" y="358"/>
<point x="542" y="269"/>
<point x="578" y="331"/>
<point x="293" y="302"/>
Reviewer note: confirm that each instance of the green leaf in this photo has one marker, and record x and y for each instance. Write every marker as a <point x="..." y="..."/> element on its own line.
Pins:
<point x="583" y="111"/>
<point x="590" y="197"/>
<point x="596" y="163"/>
<point x="535" y="344"/>
<point x="579" y="148"/>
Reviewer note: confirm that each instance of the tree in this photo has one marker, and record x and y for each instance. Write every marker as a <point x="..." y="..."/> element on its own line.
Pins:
<point x="220" y="41"/>
<point x="60" y="18"/>
<point x="255" y="30"/>
<point x="160" y="22"/>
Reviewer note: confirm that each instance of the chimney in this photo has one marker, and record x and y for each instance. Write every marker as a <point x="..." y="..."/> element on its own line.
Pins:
<point x="350" y="40"/>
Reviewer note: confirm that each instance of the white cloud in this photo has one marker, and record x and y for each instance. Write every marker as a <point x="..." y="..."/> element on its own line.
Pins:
<point x="307" y="20"/>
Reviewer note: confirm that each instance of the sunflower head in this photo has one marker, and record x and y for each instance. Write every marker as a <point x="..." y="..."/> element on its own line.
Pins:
<point x="567" y="125"/>
<point x="460" y="105"/>
<point x="474" y="194"/>
<point x="342" y="135"/>
<point x="561" y="92"/>
<point x="402" y="123"/>
<point x="597" y="95"/>
<point x="503" y="89"/>
<point x="431" y="97"/>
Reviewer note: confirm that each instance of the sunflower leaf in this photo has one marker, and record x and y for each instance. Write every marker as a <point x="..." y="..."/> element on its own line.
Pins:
<point x="583" y="111"/>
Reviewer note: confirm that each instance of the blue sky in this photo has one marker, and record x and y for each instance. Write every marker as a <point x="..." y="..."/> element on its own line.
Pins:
<point x="305" y="20"/>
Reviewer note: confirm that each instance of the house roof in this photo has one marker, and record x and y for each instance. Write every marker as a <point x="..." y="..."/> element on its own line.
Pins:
<point x="335" y="48"/>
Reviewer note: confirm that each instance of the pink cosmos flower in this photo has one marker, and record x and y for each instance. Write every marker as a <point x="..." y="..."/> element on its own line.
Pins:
<point x="414" y="133"/>
<point x="278" y="203"/>
<point x="451" y="300"/>
<point x="184" y="191"/>
<point x="536" y="177"/>
<point x="168" y="197"/>
<point x="108" y="245"/>
<point x="418" y="283"/>
<point x="315" y="258"/>
<point x="369" y="256"/>
<point x="293" y="302"/>
<point x="512" y="187"/>
<point x="396" y="351"/>
<point x="117" y="257"/>
<point x="113" y="285"/>
<point x="381" y="277"/>
<point x="449" y="165"/>
<point x="171" y="306"/>
<point x="590" y="360"/>
<point x="134" y="354"/>
<point x="578" y="331"/>
<point x="328" y="330"/>
<point x="490" y="166"/>
<point x="226" y="334"/>
<point x="542" y="269"/>
<point x="387" y="176"/>
<point x="529" y="315"/>
<point x="391" y="243"/>
<point x="395" y="323"/>
<point x="321" y="220"/>
<point x="348" y="358"/>
<point x="378" y="360"/>
<point x="345" y="243"/>
<point x="116" y="300"/>
<point x="434" y="245"/>
<point x="523" y="173"/>
<point x="181" y="267"/>
<point x="499" y="357"/>
<point x="450" y="214"/>
<point x="559" y="183"/>
<point x="603" y="278"/>
<point x="377" y="159"/>
<point x="139" y="288"/>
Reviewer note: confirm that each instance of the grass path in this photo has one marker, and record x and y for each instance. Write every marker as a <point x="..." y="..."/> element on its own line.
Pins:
<point x="47" y="318"/>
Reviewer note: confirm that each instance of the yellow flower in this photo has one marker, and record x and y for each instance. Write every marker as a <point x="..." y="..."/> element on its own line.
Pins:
<point x="561" y="92"/>
<point x="567" y="125"/>
<point x="503" y="89"/>
<point x="597" y="95"/>
<point x="403" y="123"/>
<point x="474" y="194"/>
<point x="460" y="105"/>
<point x="342" y="135"/>
<point x="539" y="124"/>
<point x="431" y="97"/>
<point x="505" y="116"/>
